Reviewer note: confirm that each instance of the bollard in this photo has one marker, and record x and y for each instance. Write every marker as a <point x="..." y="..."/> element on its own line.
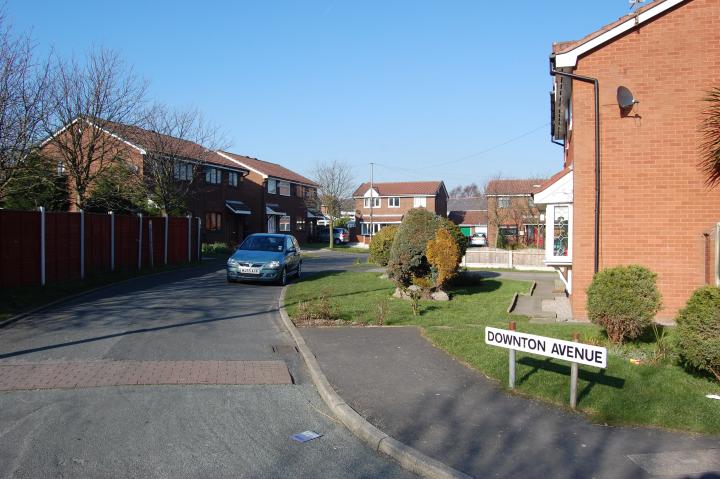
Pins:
<point x="511" y="364"/>
<point x="574" y="377"/>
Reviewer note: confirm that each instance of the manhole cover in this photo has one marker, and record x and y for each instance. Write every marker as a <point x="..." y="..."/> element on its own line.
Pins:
<point x="283" y="349"/>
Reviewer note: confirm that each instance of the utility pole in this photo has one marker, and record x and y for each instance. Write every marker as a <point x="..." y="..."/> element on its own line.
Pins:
<point x="372" y="199"/>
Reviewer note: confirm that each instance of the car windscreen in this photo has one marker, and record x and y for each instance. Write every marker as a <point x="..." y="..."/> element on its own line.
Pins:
<point x="263" y="243"/>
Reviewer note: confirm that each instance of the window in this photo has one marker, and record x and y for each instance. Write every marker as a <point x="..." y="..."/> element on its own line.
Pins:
<point x="60" y="168"/>
<point x="183" y="171"/>
<point x="213" y="221"/>
<point x="309" y="192"/>
<point x="284" y="223"/>
<point x="560" y="230"/>
<point x="271" y="224"/>
<point x="418" y="202"/>
<point x="503" y="202"/>
<point x="213" y="175"/>
<point x="365" y="228"/>
<point x="394" y="202"/>
<point x="283" y="188"/>
<point x="376" y="202"/>
<point x="232" y="178"/>
<point x="531" y="202"/>
<point x="271" y="186"/>
<point x="300" y="224"/>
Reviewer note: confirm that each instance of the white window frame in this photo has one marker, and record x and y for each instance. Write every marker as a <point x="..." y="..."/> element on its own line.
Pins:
<point x="550" y="234"/>
<point x="213" y="176"/>
<point x="504" y="201"/>
<point x="394" y="199"/>
<point x="272" y="186"/>
<point x="376" y="202"/>
<point x="284" y="224"/>
<point x="420" y="202"/>
<point x="233" y="178"/>
<point x="283" y="185"/>
<point x="364" y="228"/>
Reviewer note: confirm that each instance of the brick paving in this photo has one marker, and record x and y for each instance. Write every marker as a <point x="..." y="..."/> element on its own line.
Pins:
<point x="87" y="374"/>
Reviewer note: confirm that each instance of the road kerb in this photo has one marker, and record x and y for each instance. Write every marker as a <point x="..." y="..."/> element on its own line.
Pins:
<point x="408" y="457"/>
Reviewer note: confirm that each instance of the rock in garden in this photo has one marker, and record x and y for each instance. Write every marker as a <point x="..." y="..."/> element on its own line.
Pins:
<point x="440" y="296"/>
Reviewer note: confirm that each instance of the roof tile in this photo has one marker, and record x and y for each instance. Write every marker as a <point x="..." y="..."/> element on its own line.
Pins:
<point x="270" y="169"/>
<point x="429" y="188"/>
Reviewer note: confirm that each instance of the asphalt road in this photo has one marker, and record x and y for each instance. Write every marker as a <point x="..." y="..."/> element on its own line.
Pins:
<point x="173" y="431"/>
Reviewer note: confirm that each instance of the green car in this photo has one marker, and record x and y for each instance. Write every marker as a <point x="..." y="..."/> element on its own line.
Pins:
<point x="265" y="257"/>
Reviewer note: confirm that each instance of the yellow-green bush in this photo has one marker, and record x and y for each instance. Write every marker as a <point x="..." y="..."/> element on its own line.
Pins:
<point x="381" y="244"/>
<point x="443" y="254"/>
<point x="699" y="330"/>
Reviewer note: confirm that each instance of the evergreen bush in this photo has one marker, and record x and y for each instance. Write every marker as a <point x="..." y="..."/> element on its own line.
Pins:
<point x="381" y="245"/>
<point x="623" y="300"/>
<point x="698" y="326"/>
<point x="407" y="255"/>
<point x="443" y="254"/>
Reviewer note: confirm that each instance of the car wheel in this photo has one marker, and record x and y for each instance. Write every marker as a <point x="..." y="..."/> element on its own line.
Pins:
<point x="337" y="241"/>
<point x="230" y="280"/>
<point x="297" y="273"/>
<point x="283" y="277"/>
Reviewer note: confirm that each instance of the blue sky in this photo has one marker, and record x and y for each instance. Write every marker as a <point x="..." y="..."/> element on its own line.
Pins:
<point x="422" y="88"/>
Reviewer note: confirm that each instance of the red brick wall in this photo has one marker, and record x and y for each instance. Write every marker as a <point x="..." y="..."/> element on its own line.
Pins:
<point x="655" y="206"/>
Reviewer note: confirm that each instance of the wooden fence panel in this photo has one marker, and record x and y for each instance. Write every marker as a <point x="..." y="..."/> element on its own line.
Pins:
<point x="178" y="241"/>
<point x="62" y="246"/>
<point x="126" y="242"/>
<point x="19" y="248"/>
<point x="97" y="243"/>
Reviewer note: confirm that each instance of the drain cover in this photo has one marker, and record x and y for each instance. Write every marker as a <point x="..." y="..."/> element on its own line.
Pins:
<point x="283" y="349"/>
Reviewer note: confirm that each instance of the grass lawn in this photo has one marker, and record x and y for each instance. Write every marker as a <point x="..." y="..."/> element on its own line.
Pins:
<point x="342" y="248"/>
<point x="17" y="300"/>
<point x="625" y="393"/>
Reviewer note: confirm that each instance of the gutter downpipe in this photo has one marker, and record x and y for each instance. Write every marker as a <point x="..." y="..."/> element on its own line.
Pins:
<point x="596" y="87"/>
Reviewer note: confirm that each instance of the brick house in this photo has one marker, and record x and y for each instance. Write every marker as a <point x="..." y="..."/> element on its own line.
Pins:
<point x="653" y="206"/>
<point x="285" y="201"/>
<point x="512" y="214"/>
<point x="218" y="195"/>
<point x="386" y="203"/>
<point x="470" y="214"/>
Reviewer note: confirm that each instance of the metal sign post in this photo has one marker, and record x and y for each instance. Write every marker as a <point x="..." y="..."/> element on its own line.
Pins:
<point x="572" y="351"/>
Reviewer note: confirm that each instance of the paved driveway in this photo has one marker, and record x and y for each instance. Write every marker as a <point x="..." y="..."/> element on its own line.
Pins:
<point x="182" y="429"/>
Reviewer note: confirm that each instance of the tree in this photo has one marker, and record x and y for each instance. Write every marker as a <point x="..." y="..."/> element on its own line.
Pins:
<point x="710" y="145"/>
<point x="84" y="103"/>
<point x="35" y="182"/>
<point x="23" y="84"/>
<point x="118" y="189"/>
<point x="178" y="144"/>
<point x="443" y="253"/>
<point x="469" y="191"/>
<point x="335" y="183"/>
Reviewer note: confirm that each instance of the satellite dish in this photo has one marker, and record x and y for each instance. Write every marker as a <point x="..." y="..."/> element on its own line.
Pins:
<point x="625" y="97"/>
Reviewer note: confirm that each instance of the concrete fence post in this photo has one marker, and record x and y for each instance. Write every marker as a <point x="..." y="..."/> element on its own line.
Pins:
<point x="112" y="240"/>
<point x="167" y="226"/>
<point x="150" y="243"/>
<point x="42" y="245"/>
<point x="139" y="255"/>
<point x="82" y="244"/>
<point x="510" y="258"/>
<point x="199" y="246"/>
<point x="574" y="377"/>
<point x="511" y="361"/>
<point x="189" y="218"/>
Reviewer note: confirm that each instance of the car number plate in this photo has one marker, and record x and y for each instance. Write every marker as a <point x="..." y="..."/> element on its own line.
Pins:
<point x="249" y="270"/>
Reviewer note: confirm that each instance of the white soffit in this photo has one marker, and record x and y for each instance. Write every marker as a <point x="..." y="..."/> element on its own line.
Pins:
<point x="559" y="192"/>
<point x="569" y="58"/>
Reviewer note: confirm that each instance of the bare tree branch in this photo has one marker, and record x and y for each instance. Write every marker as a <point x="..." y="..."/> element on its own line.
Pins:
<point x="85" y="102"/>
<point x="335" y="182"/>
<point x="179" y="143"/>
<point x="23" y="83"/>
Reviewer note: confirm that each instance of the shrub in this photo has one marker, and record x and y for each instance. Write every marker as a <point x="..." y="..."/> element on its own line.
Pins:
<point x="699" y="330"/>
<point x="381" y="244"/>
<point x="443" y="254"/>
<point x="216" y="248"/>
<point x="407" y="255"/>
<point x="456" y="233"/>
<point x="623" y="300"/>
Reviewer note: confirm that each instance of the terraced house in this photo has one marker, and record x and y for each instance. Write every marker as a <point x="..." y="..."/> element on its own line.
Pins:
<point x="280" y="200"/>
<point x="634" y="193"/>
<point x="386" y="203"/>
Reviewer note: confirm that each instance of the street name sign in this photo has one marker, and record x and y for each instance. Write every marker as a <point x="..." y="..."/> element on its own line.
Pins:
<point x="544" y="346"/>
